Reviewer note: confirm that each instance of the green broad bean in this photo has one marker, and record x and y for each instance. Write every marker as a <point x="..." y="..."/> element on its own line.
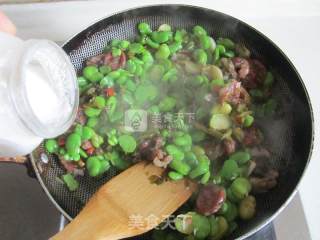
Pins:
<point x="62" y="151"/>
<point x="160" y="37"/>
<point x="51" y="145"/>
<point x="116" y="52"/>
<point x="144" y="28"/>
<point x="268" y="80"/>
<point x="122" y="80"/>
<point x="223" y="209"/>
<point x="180" y="166"/>
<point x="105" y="69"/>
<point x="83" y="153"/>
<point x="240" y="157"/>
<point x="147" y="57"/>
<point x="167" y="104"/>
<point x="112" y="140"/>
<point x="92" y="122"/>
<point x="96" y="140"/>
<point x="229" y="54"/>
<point x="139" y="70"/>
<point x="191" y="159"/>
<point x="114" y="74"/>
<point x="173" y="175"/>
<point x="156" y="72"/>
<point x="117" y="161"/>
<point x="131" y="86"/>
<point x="78" y="129"/>
<point x="198" y="136"/>
<point x="111" y="105"/>
<point x="184" y="140"/>
<point x="205" y="178"/>
<point x="205" y="42"/>
<point x="224" y="108"/>
<point x="247" y="208"/>
<point x="131" y="66"/>
<point x="248" y="121"/>
<point x="201" y="226"/>
<point x="93" y="165"/>
<point x="106" y="82"/>
<point x="183" y="223"/>
<point x="104" y="166"/>
<point x="227" y="43"/>
<point x="217" y="83"/>
<point x="70" y="182"/>
<point x="240" y="187"/>
<point x="231" y="213"/>
<point x="92" y="73"/>
<point x="213" y="72"/>
<point x="164" y="27"/>
<point x="222" y="226"/>
<point x="163" y="52"/>
<point x="175" y="152"/>
<point x="136" y="48"/>
<point x="179" y="35"/>
<point x="82" y="82"/>
<point x="87" y="133"/>
<point x="200" y="56"/>
<point x="99" y="102"/>
<point x="202" y="168"/>
<point x="220" y="122"/>
<point x="230" y="169"/>
<point x="199" y="31"/>
<point x="73" y="144"/>
<point x="127" y="143"/>
<point x="198" y="80"/>
<point x="115" y="42"/>
<point x="198" y="151"/>
<point x="92" y="112"/>
<point x="169" y="75"/>
<point x="124" y="44"/>
<point x="152" y="43"/>
<point x="174" y="47"/>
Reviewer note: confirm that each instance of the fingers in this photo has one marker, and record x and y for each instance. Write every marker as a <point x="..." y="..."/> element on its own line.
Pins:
<point x="6" y="25"/>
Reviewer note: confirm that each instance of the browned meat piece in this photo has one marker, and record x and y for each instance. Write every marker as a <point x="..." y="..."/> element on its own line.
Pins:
<point x="86" y="145"/>
<point x="72" y="167"/>
<point x="96" y="60"/>
<point x="234" y="93"/>
<point x="252" y="137"/>
<point x="210" y="199"/>
<point x="151" y="150"/>
<point x="242" y="67"/>
<point x="115" y="62"/>
<point x="81" y="117"/>
<point x="229" y="146"/>
<point x="213" y="150"/>
<point x="256" y="75"/>
<point x="264" y="184"/>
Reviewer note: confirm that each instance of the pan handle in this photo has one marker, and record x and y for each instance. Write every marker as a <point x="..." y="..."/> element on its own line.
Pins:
<point x="21" y="160"/>
<point x="18" y="159"/>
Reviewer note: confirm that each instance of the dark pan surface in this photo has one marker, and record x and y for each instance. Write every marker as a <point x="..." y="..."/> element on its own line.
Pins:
<point x="289" y="136"/>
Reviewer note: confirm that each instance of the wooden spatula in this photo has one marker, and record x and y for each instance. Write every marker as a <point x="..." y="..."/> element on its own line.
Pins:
<point x="129" y="196"/>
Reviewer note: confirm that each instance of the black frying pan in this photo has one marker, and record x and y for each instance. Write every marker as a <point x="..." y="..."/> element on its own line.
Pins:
<point x="290" y="135"/>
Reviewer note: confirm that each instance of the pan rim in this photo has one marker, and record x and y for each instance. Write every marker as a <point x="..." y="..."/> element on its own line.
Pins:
<point x="312" y="132"/>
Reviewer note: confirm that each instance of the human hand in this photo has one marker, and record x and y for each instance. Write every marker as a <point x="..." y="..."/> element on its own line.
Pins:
<point x="6" y="25"/>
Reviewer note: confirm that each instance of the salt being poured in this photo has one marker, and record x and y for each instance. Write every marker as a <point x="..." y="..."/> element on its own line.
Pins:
<point x="38" y="94"/>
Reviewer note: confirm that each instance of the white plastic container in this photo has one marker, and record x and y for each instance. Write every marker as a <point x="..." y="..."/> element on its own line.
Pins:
<point x="38" y="93"/>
